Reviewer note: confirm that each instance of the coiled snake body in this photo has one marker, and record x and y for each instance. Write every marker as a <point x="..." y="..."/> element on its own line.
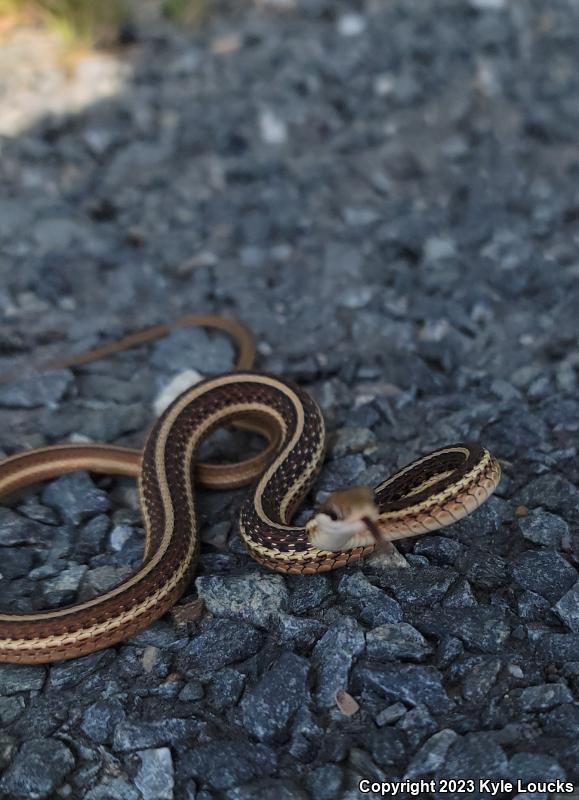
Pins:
<point x="430" y="493"/>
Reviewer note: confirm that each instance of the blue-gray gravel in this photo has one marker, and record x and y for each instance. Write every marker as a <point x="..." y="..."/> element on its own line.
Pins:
<point x="386" y="194"/>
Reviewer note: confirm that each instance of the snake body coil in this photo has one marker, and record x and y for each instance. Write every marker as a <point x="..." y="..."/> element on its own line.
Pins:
<point x="432" y="492"/>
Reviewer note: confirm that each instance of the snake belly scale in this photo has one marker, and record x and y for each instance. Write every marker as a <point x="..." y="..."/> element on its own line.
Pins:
<point x="430" y="493"/>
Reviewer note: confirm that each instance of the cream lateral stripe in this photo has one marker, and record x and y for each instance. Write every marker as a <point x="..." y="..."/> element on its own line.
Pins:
<point x="110" y="624"/>
<point x="39" y="472"/>
<point x="417" y="463"/>
<point x="268" y="474"/>
<point x="51" y="449"/>
<point x="430" y="482"/>
<point x="168" y="423"/>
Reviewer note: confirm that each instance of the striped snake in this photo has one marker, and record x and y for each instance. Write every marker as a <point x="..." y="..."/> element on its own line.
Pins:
<point x="428" y="494"/>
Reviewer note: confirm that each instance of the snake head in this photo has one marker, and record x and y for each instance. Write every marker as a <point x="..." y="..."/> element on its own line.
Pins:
<point x="347" y="519"/>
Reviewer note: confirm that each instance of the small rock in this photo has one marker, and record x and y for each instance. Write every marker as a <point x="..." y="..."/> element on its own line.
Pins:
<point x="390" y="714"/>
<point x="99" y="580"/>
<point x="449" y="649"/>
<point x="532" y="606"/>
<point x="386" y="746"/>
<point x="193" y="349"/>
<point x="407" y="683"/>
<point x="21" y="678"/>
<point x="119" y="536"/>
<point x="38" y="389"/>
<point x="339" y="473"/>
<point x="482" y="628"/>
<point x="396" y="641"/>
<point x="256" y="598"/>
<point x="221" y="642"/>
<point x="91" y="539"/>
<point x="270" y="706"/>
<point x="325" y="782"/>
<point x="352" y="440"/>
<point x="76" y="497"/>
<point x="226" y="688"/>
<point x="419" y="587"/>
<point x="431" y="755"/>
<point x="64" y="586"/>
<point x="545" y="572"/>
<point x="474" y="754"/>
<point x="309" y="592"/>
<point x="10" y="709"/>
<point x="272" y="127"/>
<point x="376" y="607"/>
<point x="38" y="768"/>
<point x="192" y="691"/>
<point x="155" y="778"/>
<point x="479" y="681"/>
<point x="333" y="657"/>
<point x="39" y="513"/>
<point x="552" y="492"/>
<point x="223" y="765"/>
<point x="562" y="721"/>
<point x="70" y="673"/>
<point x="438" y="549"/>
<point x="542" y="527"/>
<point x="176" y="386"/>
<point x="439" y="247"/>
<point x="543" y="697"/>
<point x="144" y="735"/>
<point x="295" y="632"/>
<point x="535" y="767"/>
<point x="558" y="648"/>
<point x="417" y="725"/>
<point x="346" y="704"/>
<point x="460" y="596"/>
<point x="485" y="570"/>
<point x="357" y="585"/>
<point x="351" y="24"/>
<point x="487" y="5"/>
<point x="16" y="563"/>
<point x="100" y="719"/>
<point x="568" y="608"/>
<point x="18" y="530"/>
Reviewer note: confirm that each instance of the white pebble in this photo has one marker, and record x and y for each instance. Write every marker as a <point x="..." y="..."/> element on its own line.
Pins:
<point x="185" y="380"/>
<point x="488" y="5"/>
<point x="351" y="24"/>
<point x="272" y="128"/>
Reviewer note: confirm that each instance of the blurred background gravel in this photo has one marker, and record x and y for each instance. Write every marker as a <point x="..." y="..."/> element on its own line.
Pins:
<point x="386" y="193"/>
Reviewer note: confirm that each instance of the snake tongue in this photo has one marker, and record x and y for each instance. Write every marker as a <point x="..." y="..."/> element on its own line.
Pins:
<point x="373" y="529"/>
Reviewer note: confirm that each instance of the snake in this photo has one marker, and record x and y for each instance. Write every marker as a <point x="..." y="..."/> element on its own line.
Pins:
<point x="430" y="493"/>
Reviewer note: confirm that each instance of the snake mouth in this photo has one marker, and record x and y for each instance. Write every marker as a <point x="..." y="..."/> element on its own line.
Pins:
<point x="372" y="529"/>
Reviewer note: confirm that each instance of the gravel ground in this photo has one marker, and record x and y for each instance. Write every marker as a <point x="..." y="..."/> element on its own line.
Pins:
<point x="386" y="192"/>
